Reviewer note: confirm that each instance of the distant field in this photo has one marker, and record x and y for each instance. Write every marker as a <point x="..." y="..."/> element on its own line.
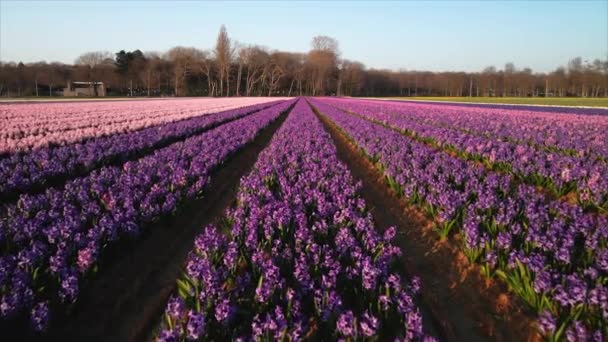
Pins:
<point x="552" y="101"/>
<point x="75" y="99"/>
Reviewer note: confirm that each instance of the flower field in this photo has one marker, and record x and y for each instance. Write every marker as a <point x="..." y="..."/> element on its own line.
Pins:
<point x="302" y="256"/>
<point x="550" y="251"/>
<point x="296" y="247"/>
<point x="28" y="126"/>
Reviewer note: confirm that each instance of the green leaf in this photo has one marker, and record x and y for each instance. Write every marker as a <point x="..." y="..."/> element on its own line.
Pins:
<point x="183" y="288"/>
<point x="35" y="273"/>
<point x="168" y="321"/>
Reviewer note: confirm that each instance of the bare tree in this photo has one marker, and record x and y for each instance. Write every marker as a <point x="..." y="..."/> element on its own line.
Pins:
<point x="275" y="70"/>
<point x="352" y="78"/>
<point x="93" y="60"/>
<point x="238" y="47"/>
<point x="323" y="60"/>
<point x="255" y="59"/>
<point x="183" y="59"/>
<point x="223" y="56"/>
<point x="257" y="70"/>
<point x="205" y="66"/>
<point x="152" y="71"/>
<point x="300" y="71"/>
<point x="324" y="43"/>
<point x="577" y="81"/>
<point x="508" y="78"/>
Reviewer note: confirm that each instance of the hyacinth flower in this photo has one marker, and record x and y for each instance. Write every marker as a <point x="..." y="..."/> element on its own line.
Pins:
<point x="20" y="172"/>
<point x="300" y="257"/>
<point x="31" y="126"/>
<point x="559" y="173"/>
<point x="53" y="240"/>
<point x="551" y="253"/>
<point x="570" y="131"/>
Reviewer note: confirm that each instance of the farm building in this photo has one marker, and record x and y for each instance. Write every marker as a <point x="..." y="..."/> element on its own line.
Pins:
<point x="84" y="89"/>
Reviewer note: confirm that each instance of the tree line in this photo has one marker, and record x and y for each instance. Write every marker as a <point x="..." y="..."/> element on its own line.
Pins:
<point x="232" y="68"/>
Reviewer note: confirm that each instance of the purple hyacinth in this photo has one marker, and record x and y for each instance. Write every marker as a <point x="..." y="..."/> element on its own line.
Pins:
<point x="547" y="323"/>
<point x="300" y="233"/>
<point x="223" y="311"/>
<point x="69" y="287"/>
<point x="508" y="223"/>
<point x="195" y="328"/>
<point x="86" y="258"/>
<point x="576" y="332"/>
<point x="346" y="324"/>
<point x="168" y="335"/>
<point x="61" y="230"/>
<point x="40" y="316"/>
<point x="175" y="307"/>
<point x="368" y="325"/>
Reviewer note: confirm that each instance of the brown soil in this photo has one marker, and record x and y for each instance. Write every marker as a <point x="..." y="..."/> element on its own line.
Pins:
<point x="126" y="300"/>
<point x="457" y="301"/>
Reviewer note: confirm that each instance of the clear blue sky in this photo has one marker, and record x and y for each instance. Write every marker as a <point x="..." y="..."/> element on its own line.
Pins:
<point x="435" y="36"/>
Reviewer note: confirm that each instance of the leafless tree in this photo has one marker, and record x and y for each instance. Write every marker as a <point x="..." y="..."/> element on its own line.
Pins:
<point x="255" y="59"/>
<point x="275" y="70"/>
<point x="93" y="60"/>
<point x="223" y="56"/>
<point x="183" y="59"/>
<point x="352" y="77"/>
<point x="323" y="60"/>
<point x="239" y="69"/>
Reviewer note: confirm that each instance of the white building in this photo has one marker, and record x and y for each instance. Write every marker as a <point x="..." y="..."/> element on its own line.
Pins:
<point x="84" y="89"/>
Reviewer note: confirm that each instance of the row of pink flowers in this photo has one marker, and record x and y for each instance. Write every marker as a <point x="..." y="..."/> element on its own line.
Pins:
<point x="34" y="125"/>
<point x="585" y="135"/>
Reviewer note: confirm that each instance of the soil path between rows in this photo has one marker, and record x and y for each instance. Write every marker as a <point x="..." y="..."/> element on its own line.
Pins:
<point x="127" y="299"/>
<point x="457" y="302"/>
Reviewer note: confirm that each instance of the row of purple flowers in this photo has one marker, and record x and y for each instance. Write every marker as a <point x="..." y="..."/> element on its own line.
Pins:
<point x="301" y="258"/>
<point x="565" y="131"/>
<point x="20" y="172"/>
<point x="552" y="254"/>
<point x="560" y="173"/>
<point x="50" y="242"/>
<point x="553" y="109"/>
